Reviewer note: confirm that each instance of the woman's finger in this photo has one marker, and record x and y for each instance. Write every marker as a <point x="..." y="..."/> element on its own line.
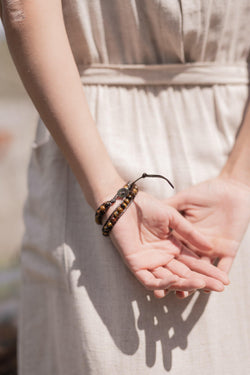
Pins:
<point x="225" y="264"/>
<point x="148" y="259"/>
<point x="182" y="295"/>
<point x="164" y="273"/>
<point x="161" y="293"/>
<point x="190" y="273"/>
<point x="184" y="228"/>
<point x="211" y="284"/>
<point x="201" y="266"/>
<point x="188" y="279"/>
<point x="187" y="285"/>
<point x="179" y="201"/>
<point x="150" y="282"/>
<point x="194" y="283"/>
<point x="206" y="259"/>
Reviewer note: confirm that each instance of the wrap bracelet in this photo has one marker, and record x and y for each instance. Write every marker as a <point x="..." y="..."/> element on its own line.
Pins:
<point x="127" y="193"/>
<point x="119" y="211"/>
<point x="103" y="208"/>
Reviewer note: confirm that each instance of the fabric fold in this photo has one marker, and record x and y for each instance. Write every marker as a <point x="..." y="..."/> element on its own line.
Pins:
<point x="165" y="74"/>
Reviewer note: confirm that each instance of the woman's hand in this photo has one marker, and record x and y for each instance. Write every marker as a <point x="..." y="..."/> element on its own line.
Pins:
<point x="220" y="210"/>
<point x="144" y="239"/>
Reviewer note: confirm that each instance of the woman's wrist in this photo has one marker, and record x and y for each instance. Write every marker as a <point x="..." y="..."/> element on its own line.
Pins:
<point x="240" y="181"/>
<point x="103" y="190"/>
<point x="237" y="167"/>
<point x="235" y="182"/>
<point x="238" y="172"/>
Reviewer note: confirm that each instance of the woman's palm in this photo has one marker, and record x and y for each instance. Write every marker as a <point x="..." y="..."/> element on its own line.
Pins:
<point x="143" y="237"/>
<point x="220" y="209"/>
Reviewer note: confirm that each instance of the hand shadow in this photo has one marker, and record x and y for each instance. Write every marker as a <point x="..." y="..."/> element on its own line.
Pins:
<point x="124" y="306"/>
<point x="168" y="321"/>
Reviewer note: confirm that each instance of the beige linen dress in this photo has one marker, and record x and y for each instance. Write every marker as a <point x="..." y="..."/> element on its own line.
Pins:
<point x="167" y="84"/>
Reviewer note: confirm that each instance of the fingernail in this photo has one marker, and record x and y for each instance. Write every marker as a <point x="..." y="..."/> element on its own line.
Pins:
<point x="224" y="278"/>
<point x="218" y="286"/>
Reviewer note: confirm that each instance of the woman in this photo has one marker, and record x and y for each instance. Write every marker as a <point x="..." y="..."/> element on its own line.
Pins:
<point x="143" y="109"/>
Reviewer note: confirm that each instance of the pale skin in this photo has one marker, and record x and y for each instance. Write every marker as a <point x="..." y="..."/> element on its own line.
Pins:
<point x="220" y="207"/>
<point x="38" y="43"/>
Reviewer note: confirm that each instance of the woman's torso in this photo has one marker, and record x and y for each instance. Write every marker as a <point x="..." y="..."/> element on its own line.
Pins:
<point x="157" y="31"/>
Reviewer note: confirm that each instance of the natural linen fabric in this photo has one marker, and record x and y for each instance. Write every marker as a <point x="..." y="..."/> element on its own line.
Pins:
<point x="82" y="311"/>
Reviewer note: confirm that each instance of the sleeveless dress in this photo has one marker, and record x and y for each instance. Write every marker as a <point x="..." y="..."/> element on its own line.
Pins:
<point x="167" y="84"/>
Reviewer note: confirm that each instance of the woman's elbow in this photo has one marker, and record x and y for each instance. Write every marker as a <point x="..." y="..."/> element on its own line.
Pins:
<point x="13" y="13"/>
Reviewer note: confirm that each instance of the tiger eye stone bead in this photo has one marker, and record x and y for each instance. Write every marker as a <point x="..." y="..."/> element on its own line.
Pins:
<point x="97" y="220"/>
<point x="113" y="220"/>
<point x="126" y="194"/>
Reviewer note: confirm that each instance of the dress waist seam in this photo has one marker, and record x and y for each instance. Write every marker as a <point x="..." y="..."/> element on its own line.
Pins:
<point x="197" y="73"/>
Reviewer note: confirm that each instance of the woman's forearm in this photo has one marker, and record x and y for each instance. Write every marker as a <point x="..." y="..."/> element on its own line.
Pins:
<point x="238" y="163"/>
<point x="40" y="48"/>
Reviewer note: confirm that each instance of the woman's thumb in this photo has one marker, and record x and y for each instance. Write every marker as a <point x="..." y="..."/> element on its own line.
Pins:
<point x="178" y="201"/>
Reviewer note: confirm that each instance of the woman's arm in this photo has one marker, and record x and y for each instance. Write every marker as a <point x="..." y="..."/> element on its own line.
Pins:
<point x="220" y="208"/>
<point x="40" y="48"/>
<point x="237" y="167"/>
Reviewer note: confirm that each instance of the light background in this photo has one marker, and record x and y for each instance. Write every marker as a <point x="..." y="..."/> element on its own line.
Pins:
<point x="17" y="125"/>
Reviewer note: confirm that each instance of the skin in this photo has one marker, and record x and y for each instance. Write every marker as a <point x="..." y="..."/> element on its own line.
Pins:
<point x="35" y="31"/>
<point x="220" y="208"/>
<point x="151" y="251"/>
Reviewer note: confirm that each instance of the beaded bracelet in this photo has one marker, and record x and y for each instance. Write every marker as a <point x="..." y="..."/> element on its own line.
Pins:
<point x="103" y="208"/>
<point x="119" y="211"/>
<point x="127" y="193"/>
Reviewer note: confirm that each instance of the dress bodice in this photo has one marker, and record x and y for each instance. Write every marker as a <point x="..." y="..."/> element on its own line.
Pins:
<point x="157" y="31"/>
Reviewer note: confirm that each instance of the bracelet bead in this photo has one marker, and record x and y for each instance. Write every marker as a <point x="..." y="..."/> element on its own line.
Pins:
<point x="127" y="194"/>
<point x="102" y="209"/>
<point x="117" y="213"/>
